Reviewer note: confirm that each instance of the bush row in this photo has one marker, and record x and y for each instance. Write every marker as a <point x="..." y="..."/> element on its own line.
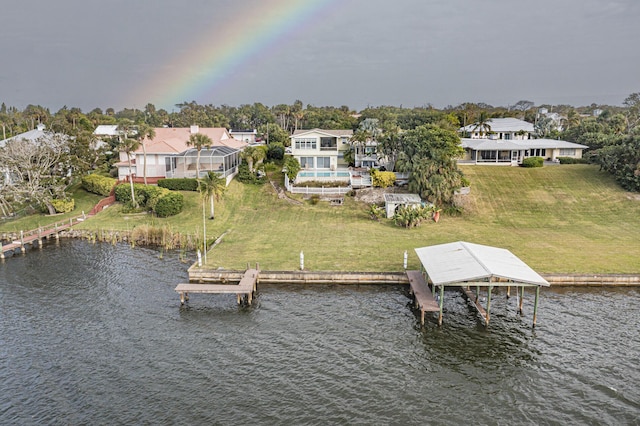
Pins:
<point x="571" y="160"/>
<point x="97" y="184"/>
<point x="157" y="199"/>
<point x="179" y="184"/>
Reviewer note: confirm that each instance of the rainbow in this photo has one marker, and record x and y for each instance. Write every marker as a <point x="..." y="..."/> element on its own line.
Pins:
<point x="223" y="51"/>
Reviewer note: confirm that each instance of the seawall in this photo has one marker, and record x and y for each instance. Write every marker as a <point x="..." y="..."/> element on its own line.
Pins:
<point x="198" y="274"/>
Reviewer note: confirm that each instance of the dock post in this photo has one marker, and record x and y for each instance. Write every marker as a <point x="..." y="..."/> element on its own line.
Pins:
<point x="22" y="249"/>
<point x="39" y="237"/>
<point x="535" y="306"/>
<point x="521" y="300"/>
<point x="181" y="298"/>
<point x="477" y="293"/>
<point x="56" y="228"/>
<point x="239" y="298"/>
<point x="508" y="291"/>
<point x="486" y="320"/>
<point x="441" y="304"/>
<point x="1" y="251"/>
<point x="301" y="261"/>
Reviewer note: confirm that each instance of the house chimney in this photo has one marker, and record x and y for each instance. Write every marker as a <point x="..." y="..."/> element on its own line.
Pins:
<point x="194" y="129"/>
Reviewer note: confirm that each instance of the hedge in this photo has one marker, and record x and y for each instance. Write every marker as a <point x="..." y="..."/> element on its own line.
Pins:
<point x="152" y="194"/>
<point x="123" y="193"/>
<point x="571" y="160"/>
<point x="532" y="162"/>
<point x="382" y="179"/>
<point x="179" y="184"/>
<point x="169" y="205"/>
<point x="97" y="184"/>
<point x="63" y="206"/>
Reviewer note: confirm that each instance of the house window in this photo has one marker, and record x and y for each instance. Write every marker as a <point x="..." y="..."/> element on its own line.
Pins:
<point x="328" y="144"/>
<point x="305" y="143"/>
<point x="538" y="152"/>
<point x="567" y="152"/>
<point x="507" y="136"/>
<point x="306" y="162"/>
<point x="324" y="162"/>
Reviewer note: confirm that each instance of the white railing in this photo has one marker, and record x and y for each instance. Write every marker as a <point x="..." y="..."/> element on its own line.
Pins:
<point x="332" y="190"/>
<point x="342" y="190"/>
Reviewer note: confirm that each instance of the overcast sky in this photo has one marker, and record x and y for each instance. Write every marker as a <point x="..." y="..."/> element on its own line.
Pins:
<point x="90" y="53"/>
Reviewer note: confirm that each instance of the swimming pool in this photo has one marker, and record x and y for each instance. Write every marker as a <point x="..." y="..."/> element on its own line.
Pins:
<point x="326" y="174"/>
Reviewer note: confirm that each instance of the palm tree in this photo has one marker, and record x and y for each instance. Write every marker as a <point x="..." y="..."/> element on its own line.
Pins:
<point x="199" y="140"/>
<point x="253" y="155"/>
<point x="212" y="186"/>
<point x="482" y="124"/>
<point x="128" y="145"/>
<point x="145" y="132"/>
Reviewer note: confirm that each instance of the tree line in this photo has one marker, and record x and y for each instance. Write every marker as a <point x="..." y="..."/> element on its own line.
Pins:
<point x="422" y="140"/>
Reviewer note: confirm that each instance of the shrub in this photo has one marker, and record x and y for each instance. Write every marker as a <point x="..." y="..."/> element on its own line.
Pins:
<point x="315" y="198"/>
<point x="246" y="176"/>
<point x="275" y="151"/>
<point x="382" y="179"/>
<point x="97" y="184"/>
<point x="123" y="193"/>
<point x="169" y="205"/>
<point x="532" y="162"/>
<point x="63" y="206"/>
<point x="179" y="184"/>
<point x="571" y="160"/>
<point x="410" y="216"/>
<point x="152" y="194"/>
<point x="292" y="166"/>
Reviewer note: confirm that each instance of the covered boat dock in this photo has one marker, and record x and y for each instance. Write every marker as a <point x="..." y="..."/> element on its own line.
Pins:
<point x="474" y="266"/>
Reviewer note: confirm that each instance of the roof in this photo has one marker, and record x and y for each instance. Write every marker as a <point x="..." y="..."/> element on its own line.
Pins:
<point x="336" y="133"/>
<point x="402" y="198"/>
<point x="38" y="133"/>
<point x="509" y="144"/>
<point x="218" y="151"/>
<point x="106" y="130"/>
<point x="173" y="140"/>
<point x="458" y="262"/>
<point x="508" y="124"/>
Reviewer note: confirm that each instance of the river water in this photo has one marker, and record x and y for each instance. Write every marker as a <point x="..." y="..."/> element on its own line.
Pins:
<point x="94" y="334"/>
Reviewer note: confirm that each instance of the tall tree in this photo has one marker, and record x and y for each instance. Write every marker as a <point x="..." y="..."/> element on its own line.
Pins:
<point x="144" y="133"/>
<point x="128" y="144"/>
<point x="429" y="154"/>
<point x="199" y="141"/>
<point x="212" y="187"/>
<point x="33" y="171"/>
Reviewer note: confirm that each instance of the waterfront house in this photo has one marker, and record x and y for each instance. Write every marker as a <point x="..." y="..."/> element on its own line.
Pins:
<point x="319" y="149"/>
<point x="508" y="141"/>
<point x="169" y="156"/>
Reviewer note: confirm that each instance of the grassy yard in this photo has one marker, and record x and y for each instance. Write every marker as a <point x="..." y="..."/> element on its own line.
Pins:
<point x="569" y="218"/>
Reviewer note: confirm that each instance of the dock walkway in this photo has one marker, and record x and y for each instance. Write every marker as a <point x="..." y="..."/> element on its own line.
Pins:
<point x="423" y="298"/>
<point x="245" y="289"/>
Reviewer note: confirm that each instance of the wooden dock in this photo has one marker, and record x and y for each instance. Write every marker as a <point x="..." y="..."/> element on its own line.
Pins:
<point x="36" y="235"/>
<point x="244" y="290"/>
<point x="423" y="298"/>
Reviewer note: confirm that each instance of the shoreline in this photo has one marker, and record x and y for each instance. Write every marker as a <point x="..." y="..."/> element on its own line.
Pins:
<point x="203" y="274"/>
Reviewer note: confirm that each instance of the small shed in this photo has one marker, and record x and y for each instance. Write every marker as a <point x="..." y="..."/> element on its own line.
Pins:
<point x="476" y="266"/>
<point x="393" y="201"/>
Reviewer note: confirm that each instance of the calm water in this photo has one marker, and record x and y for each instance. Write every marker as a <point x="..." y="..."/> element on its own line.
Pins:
<point x="94" y="334"/>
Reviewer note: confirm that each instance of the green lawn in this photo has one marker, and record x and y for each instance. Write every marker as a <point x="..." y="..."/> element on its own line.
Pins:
<point x="569" y="218"/>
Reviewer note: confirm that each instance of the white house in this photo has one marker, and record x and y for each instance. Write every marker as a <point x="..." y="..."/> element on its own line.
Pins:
<point x="319" y="149"/>
<point x="510" y="141"/>
<point x="248" y="136"/>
